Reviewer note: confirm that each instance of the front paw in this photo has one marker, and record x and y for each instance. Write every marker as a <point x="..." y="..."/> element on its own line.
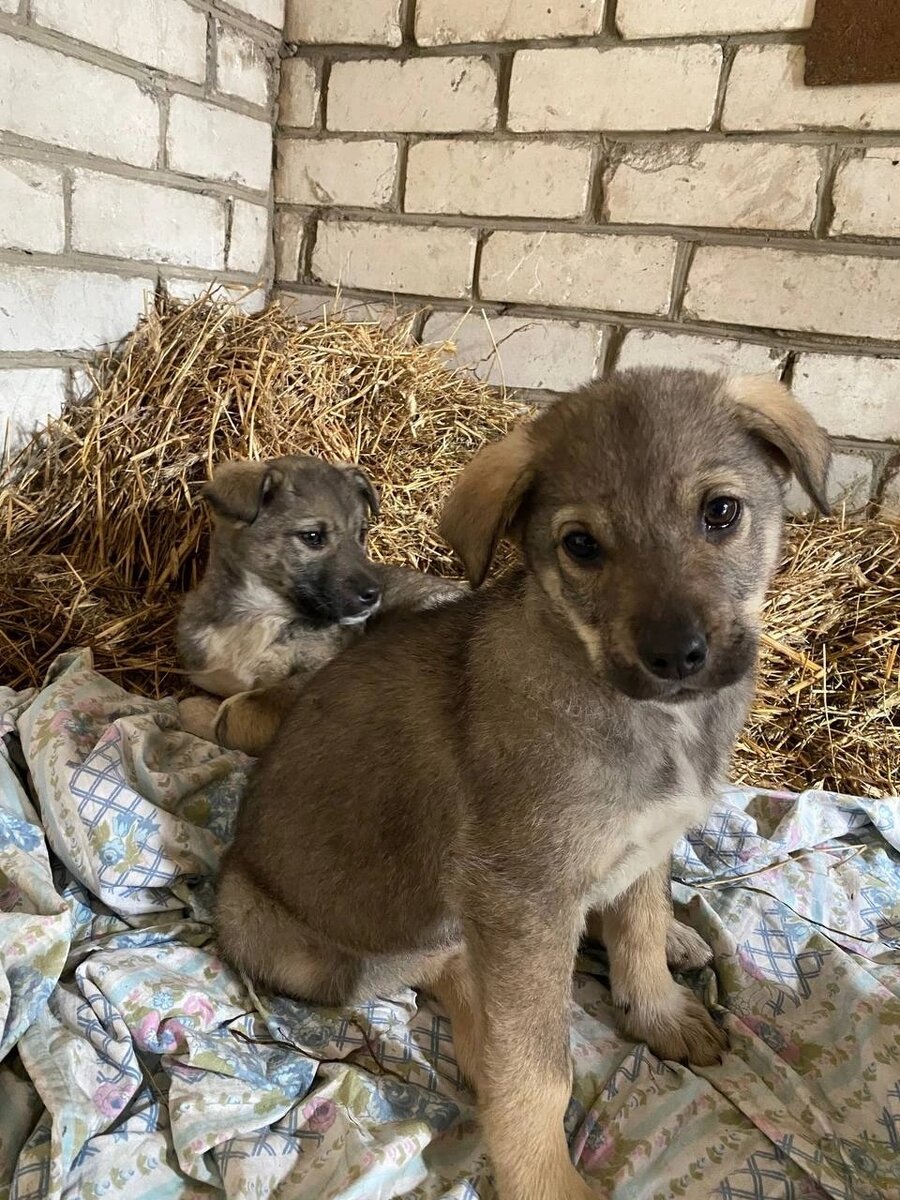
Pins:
<point x="685" y="948"/>
<point x="679" y="1028"/>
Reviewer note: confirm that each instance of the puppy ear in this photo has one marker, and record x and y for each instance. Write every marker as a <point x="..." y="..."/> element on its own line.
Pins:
<point x="769" y="411"/>
<point x="483" y="505"/>
<point x="367" y="488"/>
<point x="238" y="491"/>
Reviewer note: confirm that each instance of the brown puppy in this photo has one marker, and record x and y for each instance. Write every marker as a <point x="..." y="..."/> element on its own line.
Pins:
<point x="450" y="798"/>
<point x="288" y="585"/>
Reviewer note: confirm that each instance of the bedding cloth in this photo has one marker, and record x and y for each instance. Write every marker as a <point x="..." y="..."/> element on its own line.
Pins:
<point x="134" y="1063"/>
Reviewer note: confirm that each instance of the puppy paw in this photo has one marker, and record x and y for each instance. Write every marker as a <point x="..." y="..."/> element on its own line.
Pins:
<point x="686" y="949"/>
<point x="198" y="716"/>
<point x="680" y="1030"/>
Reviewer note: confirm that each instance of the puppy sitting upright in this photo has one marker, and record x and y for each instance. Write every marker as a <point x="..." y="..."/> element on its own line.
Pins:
<point x="287" y="586"/>
<point x="475" y="781"/>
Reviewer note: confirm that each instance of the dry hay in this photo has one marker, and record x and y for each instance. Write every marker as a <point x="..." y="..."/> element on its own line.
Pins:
<point x="104" y="532"/>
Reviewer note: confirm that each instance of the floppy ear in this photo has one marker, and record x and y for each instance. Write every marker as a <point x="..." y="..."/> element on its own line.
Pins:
<point x="769" y="411"/>
<point x="483" y="505"/>
<point x="367" y="488"/>
<point x="238" y="491"/>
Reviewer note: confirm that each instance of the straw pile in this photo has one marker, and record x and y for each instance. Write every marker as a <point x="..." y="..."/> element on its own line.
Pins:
<point x="104" y="532"/>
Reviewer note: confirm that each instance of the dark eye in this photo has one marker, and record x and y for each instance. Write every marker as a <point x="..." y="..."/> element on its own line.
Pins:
<point x="582" y="547"/>
<point x="364" y="530"/>
<point x="721" y="512"/>
<point x="314" y="538"/>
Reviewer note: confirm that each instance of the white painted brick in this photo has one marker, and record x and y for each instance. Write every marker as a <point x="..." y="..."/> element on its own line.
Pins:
<point x="288" y="243"/>
<point x="87" y="108"/>
<point x="309" y="306"/>
<point x="241" y="66"/>
<point x="624" y="274"/>
<point x="249" y="299"/>
<point x="423" y="260"/>
<point x="9" y="6"/>
<point x="680" y="18"/>
<point x="214" y="143"/>
<point x="371" y="22"/>
<point x="867" y="194"/>
<point x="46" y="309"/>
<point x="31" y="206"/>
<point x="360" y="174"/>
<point x="298" y="98"/>
<point x="128" y="219"/>
<point x="739" y="185"/>
<point x="444" y="22"/>
<point x="853" y="295"/>
<point x="651" y="348"/>
<point x="766" y="91"/>
<point x="166" y="34"/>
<point x="623" y="88"/>
<point x="513" y="179"/>
<point x="419" y="95"/>
<point x="850" y="482"/>
<point x="851" y="395"/>
<point x="27" y="399"/>
<point x="890" y="497"/>
<point x="519" y="352"/>
<point x="269" y="11"/>
<point x="249" y="238"/>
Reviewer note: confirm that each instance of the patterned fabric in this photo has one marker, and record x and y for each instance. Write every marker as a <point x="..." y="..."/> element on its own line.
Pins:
<point x="134" y="1063"/>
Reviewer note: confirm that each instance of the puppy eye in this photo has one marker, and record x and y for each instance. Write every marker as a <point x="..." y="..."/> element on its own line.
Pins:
<point x="721" y="512"/>
<point x="314" y="538"/>
<point x="582" y="547"/>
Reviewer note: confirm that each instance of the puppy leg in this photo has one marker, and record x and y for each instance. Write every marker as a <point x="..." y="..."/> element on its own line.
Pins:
<point x="652" y="1007"/>
<point x="198" y="716"/>
<point x="455" y="987"/>
<point x="685" y="948"/>
<point x="525" y="1072"/>
<point x="250" y="720"/>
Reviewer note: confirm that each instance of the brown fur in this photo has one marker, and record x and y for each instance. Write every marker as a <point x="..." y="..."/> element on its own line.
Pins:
<point x="464" y="786"/>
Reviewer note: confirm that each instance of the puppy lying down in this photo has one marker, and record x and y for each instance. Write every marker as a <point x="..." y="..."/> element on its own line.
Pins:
<point x="288" y="585"/>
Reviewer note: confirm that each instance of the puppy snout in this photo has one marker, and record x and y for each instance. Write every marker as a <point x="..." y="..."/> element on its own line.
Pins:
<point x="362" y="597"/>
<point x="673" y="649"/>
<point x="369" y="594"/>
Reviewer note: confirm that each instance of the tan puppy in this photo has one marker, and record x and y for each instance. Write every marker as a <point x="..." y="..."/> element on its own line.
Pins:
<point x="463" y="787"/>
<point x="288" y="585"/>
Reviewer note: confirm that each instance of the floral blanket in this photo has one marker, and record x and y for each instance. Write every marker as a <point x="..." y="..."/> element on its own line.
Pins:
<point x="134" y="1063"/>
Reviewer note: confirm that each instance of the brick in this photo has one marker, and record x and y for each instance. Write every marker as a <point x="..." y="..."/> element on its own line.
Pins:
<point x="288" y="243"/>
<point x="166" y="34"/>
<point x="214" y="143"/>
<point x="370" y="22"/>
<point x="310" y="306"/>
<point x="419" y="95"/>
<point x="128" y="219"/>
<point x="31" y="206"/>
<point x="269" y="11"/>
<point x="651" y="348"/>
<point x="890" y="496"/>
<point x="242" y="68"/>
<point x="250" y="299"/>
<point x="444" y="22"/>
<point x="681" y="18"/>
<point x="850" y="483"/>
<point x="766" y="91"/>
<point x="519" y="352"/>
<point x="851" y="395"/>
<point x="867" y="194"/>
<point x="249" y="242"/>
<point x="47" y="309"/>
<point x="420" y="259"/>
<point x="27" y="399"/>
<point x="356" y="173"/>
<point x="623" y="88"/>
<point x="9" y="6"/>
<point x="105" y="113"/>
<point x="514" y="179"/>
<point x="787" y="289"/>
<point x="298" y="97"/>
<point x="623" y="274"/>
<point x="737" y="185"/>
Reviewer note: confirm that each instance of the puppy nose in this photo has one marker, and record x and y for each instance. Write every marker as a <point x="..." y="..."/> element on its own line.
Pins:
<point x="369" y="595"/>
<point x="674" y="651"/>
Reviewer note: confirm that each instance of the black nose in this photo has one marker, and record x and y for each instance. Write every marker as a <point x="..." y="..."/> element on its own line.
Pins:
<point x="672" y="650"/>
<point x="369" y="595"/>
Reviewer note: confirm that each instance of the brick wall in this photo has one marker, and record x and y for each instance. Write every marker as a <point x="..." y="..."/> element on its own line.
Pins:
<point x="646" y="181"/>
<point x="135" y="152"/>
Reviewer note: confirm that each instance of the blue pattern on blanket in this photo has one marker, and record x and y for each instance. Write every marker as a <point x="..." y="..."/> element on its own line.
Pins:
<point x="133" y="1061"/>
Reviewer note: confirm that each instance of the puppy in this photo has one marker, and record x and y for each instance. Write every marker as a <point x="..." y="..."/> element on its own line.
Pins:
<point x="288" y="585"/>
<point x="477" y="780"/>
